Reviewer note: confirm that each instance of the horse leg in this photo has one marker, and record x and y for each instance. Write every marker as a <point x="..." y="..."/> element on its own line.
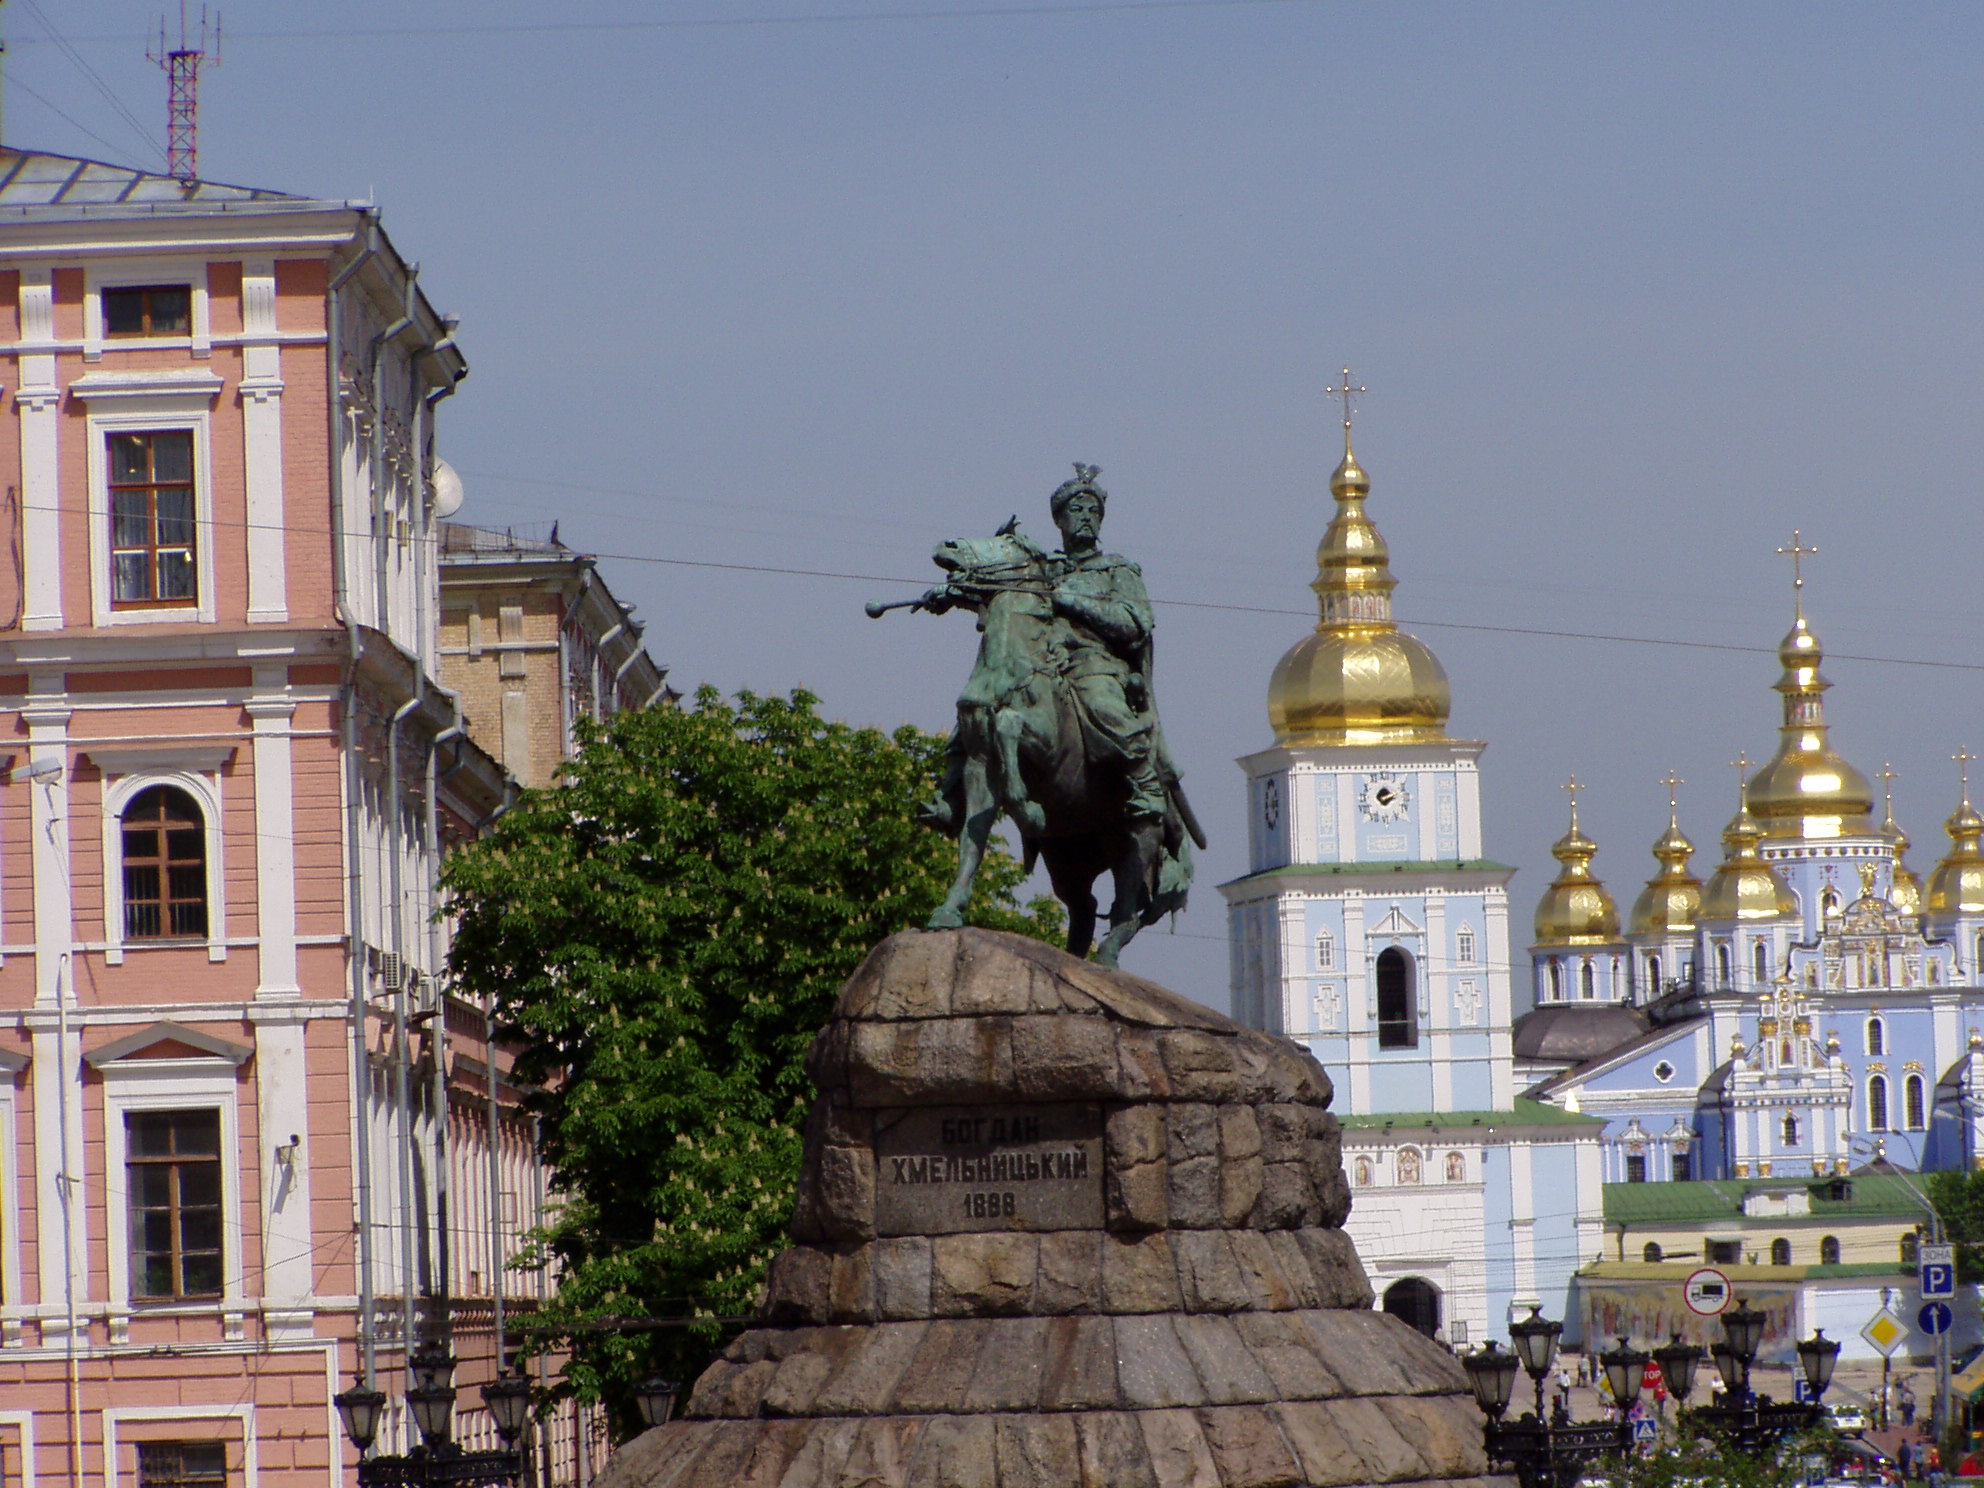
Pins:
<point x="974" y="831"/>
<point x="1008" y="728"/>
<point x="1074" y="886"/>
<point x="1132" y="871"/>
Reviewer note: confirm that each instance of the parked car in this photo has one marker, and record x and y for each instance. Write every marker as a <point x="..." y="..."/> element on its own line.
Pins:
<point x="1846" y="1416"/>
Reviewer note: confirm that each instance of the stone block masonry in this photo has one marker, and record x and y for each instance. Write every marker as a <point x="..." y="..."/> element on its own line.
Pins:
<point x="1059" y="1227"/>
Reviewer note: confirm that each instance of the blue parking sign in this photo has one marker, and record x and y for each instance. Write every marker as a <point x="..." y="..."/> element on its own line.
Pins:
<point x="1937" y="1271"/>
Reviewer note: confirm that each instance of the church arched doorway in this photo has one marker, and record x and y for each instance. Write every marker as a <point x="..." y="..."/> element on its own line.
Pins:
<point x="1398" y="1020"/>
<point x="1416" y="1302"/>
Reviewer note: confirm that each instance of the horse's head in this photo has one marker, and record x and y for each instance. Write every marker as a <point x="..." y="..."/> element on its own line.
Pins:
<point x="1007" y="556"/>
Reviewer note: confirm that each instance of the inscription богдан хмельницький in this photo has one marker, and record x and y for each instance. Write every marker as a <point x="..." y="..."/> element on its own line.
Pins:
<point x="947" y="1169"/>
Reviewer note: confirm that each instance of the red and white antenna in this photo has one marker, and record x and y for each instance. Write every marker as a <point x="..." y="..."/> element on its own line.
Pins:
<point x="182" y="107"/>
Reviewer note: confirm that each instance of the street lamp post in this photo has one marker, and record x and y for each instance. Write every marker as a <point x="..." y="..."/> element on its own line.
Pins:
<point x="437" y="1461"/>
<point x="1750" y="1421"/>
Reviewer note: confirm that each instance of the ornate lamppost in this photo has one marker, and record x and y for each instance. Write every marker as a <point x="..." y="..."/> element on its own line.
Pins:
<point x="1547" y="1452"/>
<point x="1748" y="1421"/>
<point x="655" y="1399"/>
<point x="431" y="1400"/>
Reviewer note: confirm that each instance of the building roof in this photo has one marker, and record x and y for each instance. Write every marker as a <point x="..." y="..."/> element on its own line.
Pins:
<point x="1521" y="1113"/>
<point x="34" y="178"/>
<point x="1675" y="1272"/>
<point x="1572" y="1032"/>
<point x="1720" y="1200"/>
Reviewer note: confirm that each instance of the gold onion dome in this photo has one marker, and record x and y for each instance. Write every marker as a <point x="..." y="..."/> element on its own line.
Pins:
<point x="1358" y="679"/>
<point x="1576" y="909"/>
<point x="1904" y="889"/>
<point x="1744" y="886"/>
<point x="1806" y="790"/>
<point x="1672" y="898"/>
<point x="1957" y="885"/>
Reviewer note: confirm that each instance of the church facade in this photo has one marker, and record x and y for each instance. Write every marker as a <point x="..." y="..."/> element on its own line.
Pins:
<point x="1371" y="928"/>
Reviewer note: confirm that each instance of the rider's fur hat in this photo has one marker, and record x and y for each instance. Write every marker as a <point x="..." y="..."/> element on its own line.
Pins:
<point x="1084" y="481"/>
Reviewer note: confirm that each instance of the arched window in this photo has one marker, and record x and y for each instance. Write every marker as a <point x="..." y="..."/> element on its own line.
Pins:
<point x="1760" y="959"/>
<point x="1416" y="1302"/>
<point x="1325" y="951"/>
<point x="1556" y="980"/>
<point x="1722" y="963"/>
<point x="1911" y="1248"/>
<point x="1877" y="1036"/>
<point x="165" y="865"/>
<point x="1829" y="1251"/>
<point x="1587" y="981"/>
<point x="1914" y="1103"/>
<point x="1877" y="1103"/>
<point x="1829" y="902"/>
<point x="1398" y="1022"/>
<point x="1653" y="975"/>
<point x="1780" y="1252"/>
<point x="1464" y="944"/>
<point x="1651" y="1252"/>
<point x="1791" y="1131"/>
<point x="1456" y="1168"/>
<point x="1408" y="1166"/>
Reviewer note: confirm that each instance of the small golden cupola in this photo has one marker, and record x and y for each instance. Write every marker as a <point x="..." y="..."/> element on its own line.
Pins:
<point x="1745" y="887"/>
<point x="1957" y="885"/>
<point x="1671" y="902"/>
<point x="1576" y="909"/>
<point x="1806" y="790"/>
<point x="1358" y="679"/>
<point x="1905" y="889"/>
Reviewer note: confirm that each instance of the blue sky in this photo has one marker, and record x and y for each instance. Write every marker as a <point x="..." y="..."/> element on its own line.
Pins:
<point x="1636" y="291"/>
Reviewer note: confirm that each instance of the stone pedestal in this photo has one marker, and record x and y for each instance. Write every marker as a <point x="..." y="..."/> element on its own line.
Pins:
<point x="1061" y="1228"/>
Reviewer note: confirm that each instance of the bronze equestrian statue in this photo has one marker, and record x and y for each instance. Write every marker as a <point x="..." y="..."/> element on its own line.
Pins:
<point x="1057" y="727"/>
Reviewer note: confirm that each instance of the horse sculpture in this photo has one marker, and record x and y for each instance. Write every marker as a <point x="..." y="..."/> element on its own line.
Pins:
<point x="1020" y="750"/>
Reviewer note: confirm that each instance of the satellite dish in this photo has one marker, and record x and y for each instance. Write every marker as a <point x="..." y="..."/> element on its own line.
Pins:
<point x="447" y="489"/>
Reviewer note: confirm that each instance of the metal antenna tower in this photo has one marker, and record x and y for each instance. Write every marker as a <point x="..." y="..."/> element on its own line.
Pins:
<point x="181" y="65"/>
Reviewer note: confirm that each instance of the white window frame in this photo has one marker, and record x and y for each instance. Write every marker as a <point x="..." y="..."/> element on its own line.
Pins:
<point x="1877" y="1032"/>
<point x="203" y="785"/>
<point x="1887" y="1104"/>
<point x="201" y="1084"/>
<point x="1909" y="1083"/>
<point x="1325" y="951"/>
<point x="1464" y="945"/>
<point x="163" y="409"/>
<point x="131" y="273"/>
<point x="12" y="1305"/>
<point x="241" y="1415"/>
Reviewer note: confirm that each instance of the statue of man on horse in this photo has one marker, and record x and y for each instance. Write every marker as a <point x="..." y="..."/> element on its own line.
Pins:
<point x="1057" y="727"/>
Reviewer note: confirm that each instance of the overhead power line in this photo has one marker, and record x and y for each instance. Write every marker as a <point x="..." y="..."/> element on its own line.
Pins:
<point x="732" y="22"/>
<point x="93" y="78"/>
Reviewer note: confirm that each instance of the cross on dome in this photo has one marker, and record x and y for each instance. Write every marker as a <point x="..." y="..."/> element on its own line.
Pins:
<point x="1964" y="759"/>
<point x="1572" y="787"/>
<point x="1346" y="392"/>
<point x="1673" y="783"/>
<point x="1797" y="553"/>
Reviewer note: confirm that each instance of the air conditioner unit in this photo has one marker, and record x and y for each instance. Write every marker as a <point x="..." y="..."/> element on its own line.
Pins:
<point x="391" y="970"/>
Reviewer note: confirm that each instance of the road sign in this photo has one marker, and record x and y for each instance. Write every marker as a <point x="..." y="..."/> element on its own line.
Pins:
<point x="1706" y="1291"/>
<point x="1937" y="1271"/>
<point x="1803" y="1393"/>
<point x="1935" y="1317"/>
<point x="1885" y="1331"/>
<point x="1645" y="1429"/>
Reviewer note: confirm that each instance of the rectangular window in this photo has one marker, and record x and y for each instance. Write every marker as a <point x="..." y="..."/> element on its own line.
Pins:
<point x="148" y="310"/>
<point x="1464" y="945"/>
<point x="198" y="1464"/>
<point x="1684" y="1168"/>
<point x="173" y="1166"/>
<point x="1724" y="1252"/>
<point x="1636" y="1167"/>
<point x="152" y="554"/>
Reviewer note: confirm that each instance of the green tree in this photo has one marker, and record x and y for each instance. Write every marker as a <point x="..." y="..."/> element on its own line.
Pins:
<point x="1958" y="1195"/>
<point x="663" y="934"/>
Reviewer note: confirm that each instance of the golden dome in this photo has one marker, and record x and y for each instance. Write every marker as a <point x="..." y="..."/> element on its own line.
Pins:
<point x="1672" y="899"/>
<point x="1576" y="909"/>
<point x="1744" y="886"/>
<point x="1957" y="885"/>
<point x="1358" y="679"/>
<point x="1807" y="790"/>
<point x="1904" y="889"/>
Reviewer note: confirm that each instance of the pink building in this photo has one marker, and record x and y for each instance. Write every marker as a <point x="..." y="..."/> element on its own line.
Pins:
<point x="230" y="771"/>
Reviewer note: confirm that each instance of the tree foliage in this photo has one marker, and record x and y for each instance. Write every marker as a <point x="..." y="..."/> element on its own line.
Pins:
<point x="663" y="935"/>
<point x="1958" y="1195"/>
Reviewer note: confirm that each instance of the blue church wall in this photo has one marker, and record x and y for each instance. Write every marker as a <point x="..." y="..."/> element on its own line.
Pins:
<point x="1473" y="1090"/>
<point x="1499" y="1241"/>
<point x="1553" y="1176"/>
<point x="1401" y="1084"/>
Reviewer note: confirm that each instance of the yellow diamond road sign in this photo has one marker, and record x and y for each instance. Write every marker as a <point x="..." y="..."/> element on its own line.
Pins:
<point x="1885" y="1331"/>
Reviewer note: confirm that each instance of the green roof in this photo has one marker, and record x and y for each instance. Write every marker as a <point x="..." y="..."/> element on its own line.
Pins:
<point x="1641" y="1272"/>
<point x="1720" y="1200"/>
<point x="1523" y="1113"/>
<point x="1436" y="865"/>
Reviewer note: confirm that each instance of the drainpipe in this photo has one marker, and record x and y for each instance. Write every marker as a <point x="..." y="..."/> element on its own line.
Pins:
<point x="438" y="1041"/>
<point x="394" y="840"/>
